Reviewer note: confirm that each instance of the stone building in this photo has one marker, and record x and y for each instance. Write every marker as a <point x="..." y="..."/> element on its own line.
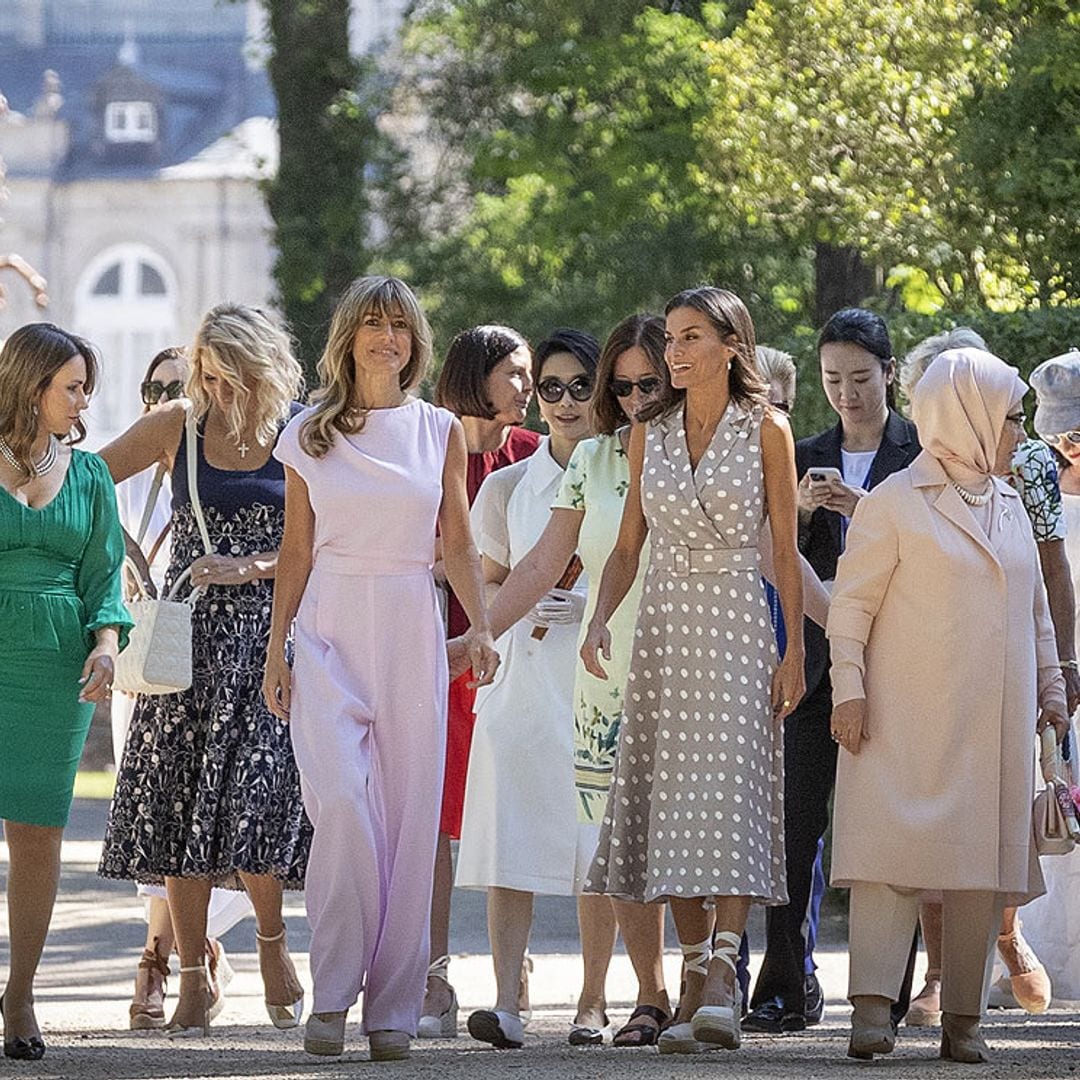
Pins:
<point x="134" y="135"/>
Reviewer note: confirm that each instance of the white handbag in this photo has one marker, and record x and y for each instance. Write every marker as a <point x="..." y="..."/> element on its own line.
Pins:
<point x="157" y="659"/>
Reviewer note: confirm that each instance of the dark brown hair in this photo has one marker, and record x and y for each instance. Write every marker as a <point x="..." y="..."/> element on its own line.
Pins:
<point x="727" y="314"/>
<point x="30" y="359"/>
<point x="471" y="358"/>
<point x="646" y="332"/>
<point x="173" y="352"/>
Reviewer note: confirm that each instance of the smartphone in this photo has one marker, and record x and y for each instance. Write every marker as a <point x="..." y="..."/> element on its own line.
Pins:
<point x="825" y="475"/>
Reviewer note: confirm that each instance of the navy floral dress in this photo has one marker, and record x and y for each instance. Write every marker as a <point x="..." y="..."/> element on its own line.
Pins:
<point x="208" y="785"/>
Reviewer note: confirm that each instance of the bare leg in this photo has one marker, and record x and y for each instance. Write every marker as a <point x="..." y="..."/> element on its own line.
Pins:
<point x="159" y="931"/>
<point x="721" y="986"/>
<point x="596" y="924"/>
<point x="33" y="877"/>
<point x="1008" y="921"/>
<point x="642" y="928"/>
<point x="281" y="984"/>
<point x="438" y="997"/>
<point x="509" y="914"/>
<point x="693" y="923"/>
<point x="188" y="900"/>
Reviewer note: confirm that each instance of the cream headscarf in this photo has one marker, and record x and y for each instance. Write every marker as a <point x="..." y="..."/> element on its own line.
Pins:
<point x="960" y="406"/>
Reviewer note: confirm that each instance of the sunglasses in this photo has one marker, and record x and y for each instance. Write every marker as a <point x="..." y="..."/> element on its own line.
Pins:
<point x="552" y="389"/>
<point x="153" y="391"/>
<point x="782" y="406"/>
<point x="1070" y="436"/>
<point x="625" y="387"/>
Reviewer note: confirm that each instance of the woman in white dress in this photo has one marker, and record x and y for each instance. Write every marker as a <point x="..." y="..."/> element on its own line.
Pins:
<point x="520" y="833"/>
<point x="144" y="502"/>
<point x="1052" y="922"/>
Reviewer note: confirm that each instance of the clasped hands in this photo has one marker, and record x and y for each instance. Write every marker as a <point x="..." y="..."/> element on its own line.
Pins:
<point x="476" y="651"/>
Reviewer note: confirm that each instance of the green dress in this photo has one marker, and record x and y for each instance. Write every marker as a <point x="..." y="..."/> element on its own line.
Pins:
<point x="59" y="582"/>
<point x="596" y="481"/>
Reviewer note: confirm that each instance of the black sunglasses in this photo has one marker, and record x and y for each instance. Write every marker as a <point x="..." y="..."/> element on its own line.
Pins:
<point x="625" y="387"/>
<point x="783" y="406"/>
<point x="153" y="391"/>
<point x="552" y="389"/>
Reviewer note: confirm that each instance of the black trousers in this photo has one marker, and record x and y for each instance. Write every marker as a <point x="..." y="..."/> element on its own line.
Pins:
<point x="809" y="777"/>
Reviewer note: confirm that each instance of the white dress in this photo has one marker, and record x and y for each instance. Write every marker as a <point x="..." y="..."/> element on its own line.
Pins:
<point x="520" y="825"/>
<point x="1052" y="922"/>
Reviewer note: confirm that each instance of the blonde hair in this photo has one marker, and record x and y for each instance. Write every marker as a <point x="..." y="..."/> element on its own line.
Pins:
<point x="29" y="360"/>
<point x="929" y="349"/>
<point x="337" y="405"/>
<point x="254" y="355"/>
<point x="775" y="365"/>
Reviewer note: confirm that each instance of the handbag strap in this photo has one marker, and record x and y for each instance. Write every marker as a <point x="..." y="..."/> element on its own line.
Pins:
<point x="151" y="502"/>
<point x="193" y="477"/>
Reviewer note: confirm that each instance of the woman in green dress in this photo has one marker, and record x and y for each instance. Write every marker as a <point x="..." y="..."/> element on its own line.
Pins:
<point x="62" y="622"/>
<point x="585" y="518"/>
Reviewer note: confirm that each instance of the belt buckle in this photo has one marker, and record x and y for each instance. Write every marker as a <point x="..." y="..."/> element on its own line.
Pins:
<point x="680" y="557"/>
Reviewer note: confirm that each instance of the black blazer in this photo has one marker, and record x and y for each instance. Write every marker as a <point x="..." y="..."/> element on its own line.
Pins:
<point x="819" y="540"/>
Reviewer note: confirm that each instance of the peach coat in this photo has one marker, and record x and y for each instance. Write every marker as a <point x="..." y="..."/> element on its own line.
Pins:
<point x="951" y="628"/>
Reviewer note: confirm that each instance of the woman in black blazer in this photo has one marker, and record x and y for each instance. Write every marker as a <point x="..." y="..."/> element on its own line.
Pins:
<point x="836" y="468"/>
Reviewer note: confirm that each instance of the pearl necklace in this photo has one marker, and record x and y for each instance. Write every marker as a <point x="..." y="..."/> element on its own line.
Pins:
<point x="971" y="498"/>
<point x="41" y="467"/>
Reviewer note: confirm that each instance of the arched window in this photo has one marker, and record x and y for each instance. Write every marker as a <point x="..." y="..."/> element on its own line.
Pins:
<point x="126" y="305"/>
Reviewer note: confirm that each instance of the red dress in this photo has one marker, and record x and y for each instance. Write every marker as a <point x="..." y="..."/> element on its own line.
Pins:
<point x="520" y="443"/>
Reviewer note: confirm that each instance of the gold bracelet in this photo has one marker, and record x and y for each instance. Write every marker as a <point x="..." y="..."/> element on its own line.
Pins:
<point x="1071" y="665"/>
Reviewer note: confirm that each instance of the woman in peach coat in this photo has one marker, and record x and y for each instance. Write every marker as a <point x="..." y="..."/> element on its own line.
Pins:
<point x="944" y="666"/>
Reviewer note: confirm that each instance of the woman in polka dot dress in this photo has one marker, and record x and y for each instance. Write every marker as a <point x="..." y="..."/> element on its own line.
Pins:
<point x="696" y="809"/>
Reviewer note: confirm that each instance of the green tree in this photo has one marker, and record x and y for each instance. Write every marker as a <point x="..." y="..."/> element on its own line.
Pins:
<point x="831" y="124"/>
<point x="569" y="193"/>
<point x="319" y="198"/>
<point x="1019" y="146"/>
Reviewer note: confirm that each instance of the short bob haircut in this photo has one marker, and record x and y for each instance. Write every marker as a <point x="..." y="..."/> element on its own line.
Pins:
<point x="728" y="316"/>
<point x="254" y="354"/>
<point x="867" y="329"/>
<point x="30" y="359"/>
<point x="471" y="358"/>
<point x="580" y="344"/>
<point x="337" y="405"/>
<point x="644" y="331"/>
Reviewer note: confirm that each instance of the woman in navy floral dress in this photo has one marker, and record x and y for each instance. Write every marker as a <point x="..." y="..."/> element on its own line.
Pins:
<point x="208" y="792"/>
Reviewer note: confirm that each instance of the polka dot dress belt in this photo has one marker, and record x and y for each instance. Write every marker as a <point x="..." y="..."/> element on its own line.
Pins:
<point x="682" y="561"/>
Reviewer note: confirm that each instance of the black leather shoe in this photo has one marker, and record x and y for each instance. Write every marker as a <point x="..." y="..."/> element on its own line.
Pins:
<point x="793" y="1021"/>
<point x="32" y="1049"/>
<point x="814" y="1008"/>
<point x="767" y="1017"/>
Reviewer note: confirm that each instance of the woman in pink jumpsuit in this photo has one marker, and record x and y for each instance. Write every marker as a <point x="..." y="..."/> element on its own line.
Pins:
<point x="369" y="472"/>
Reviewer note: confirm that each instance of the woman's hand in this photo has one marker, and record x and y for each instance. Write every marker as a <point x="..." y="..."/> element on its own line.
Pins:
<point x="848" y="724"/>
<point x="811" y="495"/>
<point x="560" y="607"/>
<point x="843" y="498"/>
<point x="223" y="570"/>
<point x="1052" y="716"/>
<point x="277" y="683"/>
<point x="98" y="672"/>
<point x="457" y="656"/>
<point x="482" y="657"/>
<point x="597" y="640"/>
<point x="788" y="685"/>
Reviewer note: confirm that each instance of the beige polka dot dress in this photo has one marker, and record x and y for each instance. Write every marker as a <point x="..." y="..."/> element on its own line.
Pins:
<point x="696" y="807"/>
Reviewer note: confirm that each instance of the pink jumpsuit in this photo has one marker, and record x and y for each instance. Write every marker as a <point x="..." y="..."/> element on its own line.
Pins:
<point x="368" y="710"/>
